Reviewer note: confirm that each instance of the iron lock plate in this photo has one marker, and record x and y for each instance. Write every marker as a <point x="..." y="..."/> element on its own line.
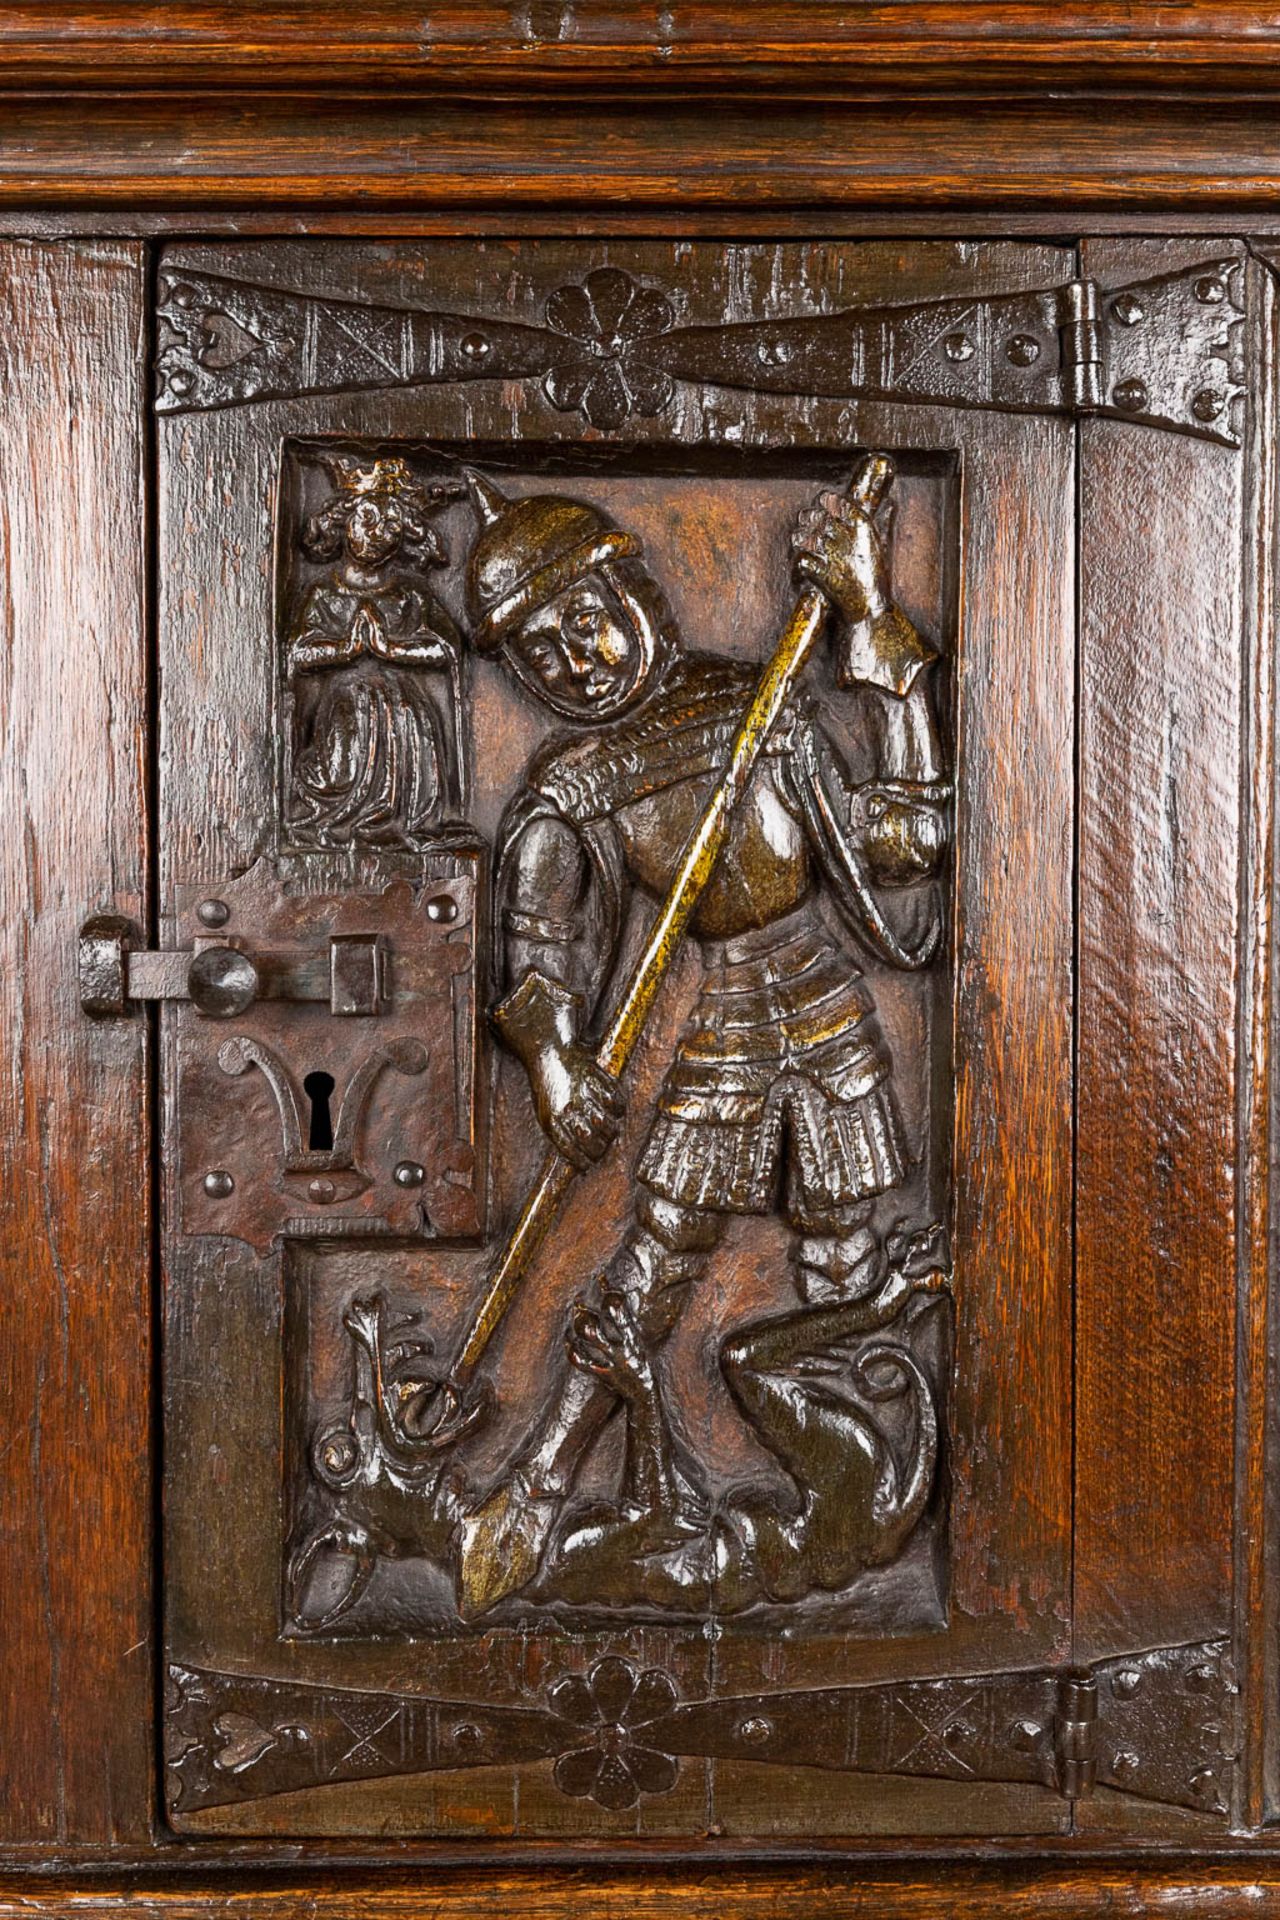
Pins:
<point x="343" y="1100"/>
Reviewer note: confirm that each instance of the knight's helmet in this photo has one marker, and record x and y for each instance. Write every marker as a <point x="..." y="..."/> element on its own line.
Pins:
<point x="528" y="551"/>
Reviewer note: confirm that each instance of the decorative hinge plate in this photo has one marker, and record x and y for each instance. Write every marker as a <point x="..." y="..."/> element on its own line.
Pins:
<point x="1160" y="1724"/>
<point x="1167" y="351"/>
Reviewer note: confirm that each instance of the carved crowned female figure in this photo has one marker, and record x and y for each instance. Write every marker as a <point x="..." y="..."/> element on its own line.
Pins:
<point x="374" y="663"/>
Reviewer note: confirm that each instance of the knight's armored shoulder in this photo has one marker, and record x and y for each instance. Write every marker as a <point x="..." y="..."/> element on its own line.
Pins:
<point x="566" y="774"/>
<point x="683" y="731"/>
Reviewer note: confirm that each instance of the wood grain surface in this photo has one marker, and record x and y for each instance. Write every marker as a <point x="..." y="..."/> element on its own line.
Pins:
<point x="1162" y="556"/>
<point x="76" y="149"/>
<point x="936" y="1889"/>
<point x="395" y="46"/>
<point x="625" y="104"/>
<point x="75" y="1492"/>
<point x="1257" y="1600"/>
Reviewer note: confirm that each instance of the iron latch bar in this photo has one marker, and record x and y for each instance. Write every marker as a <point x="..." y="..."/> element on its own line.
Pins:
<point x="222" y="979"/>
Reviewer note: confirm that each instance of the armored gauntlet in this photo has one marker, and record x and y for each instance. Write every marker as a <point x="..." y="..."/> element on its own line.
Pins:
<point x="579" y="1106"/>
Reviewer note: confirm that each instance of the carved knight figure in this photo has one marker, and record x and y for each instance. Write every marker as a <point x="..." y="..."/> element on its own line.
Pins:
<point x="781" y="1091"/>
<point x="375" y="664"/>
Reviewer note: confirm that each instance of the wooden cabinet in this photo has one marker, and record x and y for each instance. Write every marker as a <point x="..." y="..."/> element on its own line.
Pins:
<point x="639" y="1019"/>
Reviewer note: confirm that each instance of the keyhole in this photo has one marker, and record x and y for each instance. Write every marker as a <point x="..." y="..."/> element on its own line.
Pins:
<point x="318" y="1088"/>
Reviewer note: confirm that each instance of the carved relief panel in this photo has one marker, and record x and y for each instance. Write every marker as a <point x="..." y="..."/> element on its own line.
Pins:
<point x="617" y="716"/>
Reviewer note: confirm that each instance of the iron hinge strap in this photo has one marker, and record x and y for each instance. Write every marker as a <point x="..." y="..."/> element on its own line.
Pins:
<point x="1160" y="1724"/>
<point x="1162" y="352"/>
<point x="1165" y="352"/>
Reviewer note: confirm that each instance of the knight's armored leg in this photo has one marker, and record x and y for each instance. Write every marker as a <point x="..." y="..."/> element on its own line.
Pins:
<point x="503" y="1540"/>
<point x="838" y="1256"/>
<point x="666" y="1249"/>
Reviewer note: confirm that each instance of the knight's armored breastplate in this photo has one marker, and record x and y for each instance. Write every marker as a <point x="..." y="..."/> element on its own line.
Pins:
<point x="763" y="873"/>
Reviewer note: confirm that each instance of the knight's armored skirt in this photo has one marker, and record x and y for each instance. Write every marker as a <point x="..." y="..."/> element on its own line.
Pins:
<point x="781" y="1067"/>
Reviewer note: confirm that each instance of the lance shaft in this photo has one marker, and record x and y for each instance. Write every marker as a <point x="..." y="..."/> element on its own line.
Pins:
<point x="697" y="863"/>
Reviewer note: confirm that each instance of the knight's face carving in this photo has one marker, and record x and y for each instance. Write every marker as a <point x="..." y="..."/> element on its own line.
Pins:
<point x="581" y="651"/>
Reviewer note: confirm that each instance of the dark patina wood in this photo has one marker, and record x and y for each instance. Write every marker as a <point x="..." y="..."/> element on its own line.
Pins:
<point x="1111" y="1010"/>
<point x="75" y="1497"/>
<point x="694" y="519"/>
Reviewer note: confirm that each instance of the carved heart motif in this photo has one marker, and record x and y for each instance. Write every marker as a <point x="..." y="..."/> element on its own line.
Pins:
<point x="244" y="1742"/>
<point x="225" y="340"/>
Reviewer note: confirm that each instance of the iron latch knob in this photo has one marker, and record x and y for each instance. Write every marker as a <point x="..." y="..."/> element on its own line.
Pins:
<point x="222" y="982"/>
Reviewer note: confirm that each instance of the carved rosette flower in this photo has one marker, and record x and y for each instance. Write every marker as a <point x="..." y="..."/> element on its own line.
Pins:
<point x="616" y="1709"/>
<point x="606" y="378"/>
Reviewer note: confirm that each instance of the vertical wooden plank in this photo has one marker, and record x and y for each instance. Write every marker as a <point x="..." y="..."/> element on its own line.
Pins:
<point x="1013" y="1145"/>
<point x="1257" y="1599"/>
<point x="1161" y="568"/>
<point x="75" y="1487"/>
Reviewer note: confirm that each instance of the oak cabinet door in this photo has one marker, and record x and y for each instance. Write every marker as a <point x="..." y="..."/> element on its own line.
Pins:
<point x="654" y="751"/>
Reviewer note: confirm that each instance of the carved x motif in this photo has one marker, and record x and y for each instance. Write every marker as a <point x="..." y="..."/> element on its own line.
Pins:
<point x="366" y="1729"/>
<point x="929" y="1748"/>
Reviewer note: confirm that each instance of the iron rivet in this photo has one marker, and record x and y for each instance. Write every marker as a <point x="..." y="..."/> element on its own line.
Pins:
<point x="773" y="353"/>
<point x="1210" y="291"/>
<point x="1131" y="396"/>
<point x="322" y="1192"/>
<point x="1027" y="1735"/>
<point x="1204" y="1784"/>
<point x="958" y="346"/>
<point x="468" y="1736"/>
<point x="475" y="347"/>
<point x="443" y="907"/>
<point x="213" y="913"/>
<point x="957" y="1733"/>
<point x="1128" y="310"/>
<point x="754" y="1730"/>
<point x="218" y="1183"/>
<point x="1127" y="1682"/>
<point x="1023" y="350"/>
<point x="1208" y="404"/>
<point x="409" y="1174"/>
<point x="183" y="296"/>
<point x="180" y="381"/>
<point x="1126" y="1762"/>
<point x="1201" y="1680"/>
